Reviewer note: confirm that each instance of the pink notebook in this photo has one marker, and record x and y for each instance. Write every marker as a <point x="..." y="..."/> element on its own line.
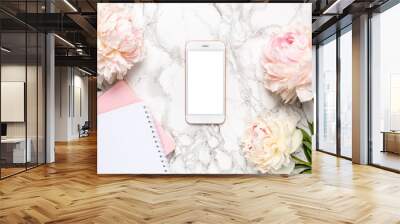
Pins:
<point x="120" y="95"/>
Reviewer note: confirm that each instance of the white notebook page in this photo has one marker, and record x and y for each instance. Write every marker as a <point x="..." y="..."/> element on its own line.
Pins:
<point x="127" y="142"/>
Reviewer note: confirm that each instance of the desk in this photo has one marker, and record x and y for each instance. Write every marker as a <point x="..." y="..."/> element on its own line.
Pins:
<point x="391" y="141"/>
<point x="16" y="147"/>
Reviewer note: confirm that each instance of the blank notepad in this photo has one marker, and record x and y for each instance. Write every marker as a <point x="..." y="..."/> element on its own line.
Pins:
<point x="127" y="142"/>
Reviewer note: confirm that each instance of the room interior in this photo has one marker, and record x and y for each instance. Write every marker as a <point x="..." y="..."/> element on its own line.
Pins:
<point x="48" y="162"/>
<point x="22" y="102"/>
<point x="334" y="55"/>
<point x="385" y="89"/>
<point x="24" y="90"/>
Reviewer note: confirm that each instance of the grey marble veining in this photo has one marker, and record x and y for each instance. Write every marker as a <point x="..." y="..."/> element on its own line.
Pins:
<point x="160" y="78"/>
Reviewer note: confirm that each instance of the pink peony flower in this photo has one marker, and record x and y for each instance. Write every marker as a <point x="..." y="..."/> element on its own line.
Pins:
<point x="287" y="64"/>
<point x="269" y="142"/>
<point x="119" y="41"/>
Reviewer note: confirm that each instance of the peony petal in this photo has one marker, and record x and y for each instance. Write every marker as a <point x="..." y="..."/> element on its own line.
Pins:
<point x="119" y="41"/>
<point x="287" y="63"/>
<point x="297" y="140"/>
<point x="305" y="93"/>
<point x="284" y="170"/>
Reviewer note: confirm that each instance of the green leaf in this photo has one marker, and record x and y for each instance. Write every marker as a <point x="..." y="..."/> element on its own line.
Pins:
<point x="307" y="145"/>
<point x="306" y="171"/>
<point x="301" y="166"/>
<point x="311" y="127"/>
<point x="307" y="151"/>
<point x="306" y="136"/>
<point x="300" y="161"/>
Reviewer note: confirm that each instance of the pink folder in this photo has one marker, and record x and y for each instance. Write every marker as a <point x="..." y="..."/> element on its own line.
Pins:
<point x="119" y="95"/>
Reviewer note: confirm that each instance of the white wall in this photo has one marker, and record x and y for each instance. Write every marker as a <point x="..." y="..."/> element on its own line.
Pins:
<point x="69" y="82"/>
<point x="79" y="117"/>
<point x="34" y="126"/>
<point x="12" y="73"/>
<point x="62" y="81"/>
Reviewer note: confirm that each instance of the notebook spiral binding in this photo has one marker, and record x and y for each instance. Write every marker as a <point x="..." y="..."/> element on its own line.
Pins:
<point x="156" y="140"/>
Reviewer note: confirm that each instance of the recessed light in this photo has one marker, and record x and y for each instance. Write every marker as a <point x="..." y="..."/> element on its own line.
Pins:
<point x="84" y="71"/>
<point x="5" y="50"/>
<point x="64" y="40"/>
<point x="337" y="7"/>
<point x="70" y="5"/>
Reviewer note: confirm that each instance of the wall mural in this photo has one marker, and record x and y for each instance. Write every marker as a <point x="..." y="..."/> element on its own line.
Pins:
<point x="268" y="123"/>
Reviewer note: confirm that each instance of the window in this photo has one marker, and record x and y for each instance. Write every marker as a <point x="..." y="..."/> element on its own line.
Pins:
<point x="327" y="96"/>
<point x="346" y="92"/>
<point x="394" y="102"/>
<point x="385" y="89"/>
<point x="334" y="106"/>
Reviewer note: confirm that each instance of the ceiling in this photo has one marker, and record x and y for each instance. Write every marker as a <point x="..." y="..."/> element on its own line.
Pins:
<point x="74" y="21"/>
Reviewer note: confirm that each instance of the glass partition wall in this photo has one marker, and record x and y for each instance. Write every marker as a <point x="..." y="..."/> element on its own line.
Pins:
<point x="385" y="90"/>
<point x="22" y="77"/>
<point x="334" y="104"/>
<point x="13" y="110"/>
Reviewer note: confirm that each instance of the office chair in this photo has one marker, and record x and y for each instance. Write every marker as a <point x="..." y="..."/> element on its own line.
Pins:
<point x="84" y="130"/>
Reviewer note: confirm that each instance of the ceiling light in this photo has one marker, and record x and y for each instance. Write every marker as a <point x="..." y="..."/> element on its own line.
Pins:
<point x="5" y="50"/>
<point x="64" y="40"/>
<point x="70" y="5"/>
<point x="84" y="71"/>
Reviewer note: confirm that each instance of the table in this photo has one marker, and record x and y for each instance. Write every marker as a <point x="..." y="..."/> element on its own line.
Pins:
<point x="391" y="141"/>
<point x="16" y="147"/>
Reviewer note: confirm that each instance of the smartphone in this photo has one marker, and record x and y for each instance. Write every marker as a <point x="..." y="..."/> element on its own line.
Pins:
<point x="205" y="82"/>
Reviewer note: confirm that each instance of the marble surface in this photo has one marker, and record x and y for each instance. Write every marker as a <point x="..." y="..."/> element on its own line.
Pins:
<point x="160" y="78"/>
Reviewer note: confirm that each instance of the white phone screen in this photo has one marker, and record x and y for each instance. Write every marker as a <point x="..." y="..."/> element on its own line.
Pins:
<point x="205" y="82"/>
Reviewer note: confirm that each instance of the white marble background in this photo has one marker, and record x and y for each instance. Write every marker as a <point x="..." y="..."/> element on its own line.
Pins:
<point x="160" y="78"/>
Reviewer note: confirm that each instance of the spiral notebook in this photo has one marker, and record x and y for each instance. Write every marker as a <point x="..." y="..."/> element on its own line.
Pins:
<point x="120" y="95"/>
<point x="128" y="142"/>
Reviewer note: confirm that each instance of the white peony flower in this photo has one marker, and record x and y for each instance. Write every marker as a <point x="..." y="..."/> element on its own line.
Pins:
<point x="270" y="140"/>
<point x="287" y="62"/>
<point x="119" y="41"/>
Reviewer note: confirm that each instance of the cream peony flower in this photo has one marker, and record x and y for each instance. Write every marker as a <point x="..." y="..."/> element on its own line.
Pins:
<point x="119" y="41"/>
<point x="270" y="140"/>
<point x="287" y="64"/>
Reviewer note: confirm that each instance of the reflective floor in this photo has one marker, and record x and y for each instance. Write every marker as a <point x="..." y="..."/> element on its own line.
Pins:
<point x="387" y="159"/>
